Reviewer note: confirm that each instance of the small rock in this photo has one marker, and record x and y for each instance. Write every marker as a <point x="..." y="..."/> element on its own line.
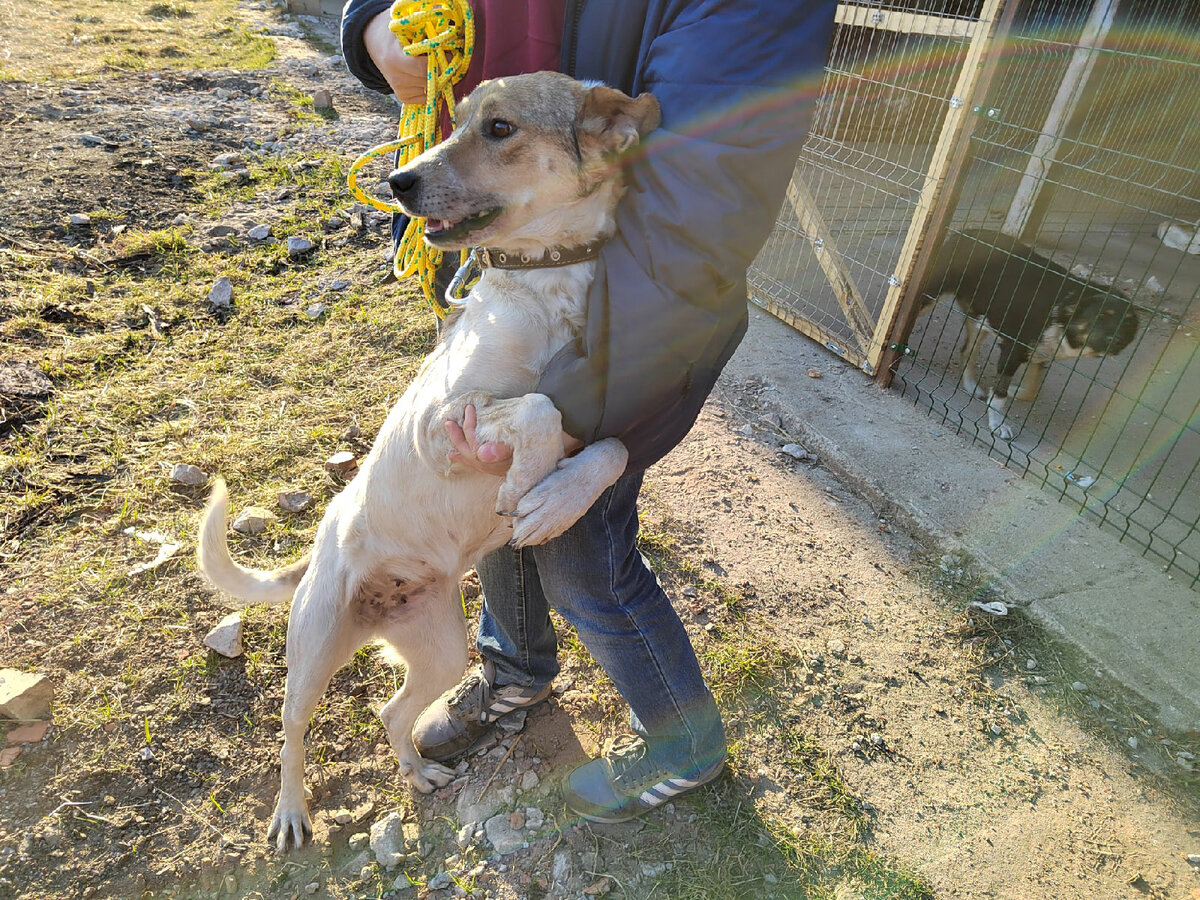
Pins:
<point x="1031" y="663"/>
<point x="997" y="730"/>
<point x="1132" y="742"/>
<point x="352" y="433"/>
<point x="795" y="451"/>
<point x="182" y="473"/>
<point x="25" y="695"/>
<point x="534" y="818"/>
<point x="516" y="819"/>
<point x="79" y="219"/>
<point x="465" y="835"/>
<point x="1179" y="238"/>
<point x="876" y="738"/>
<point x="836" y="646"/>
<point x="226" y="637"/>
<point x="359" y="839"/>
<point x="181" y="219"/>
<point x="228" y="161"/>
<point x="294" y="501"/>
<point x="748" y="430"/>
<point x="1194" y="859"/>
<point x="561" y="870"/>
<point x="512" y="723"/>
<point x="1153" y="284"/>
<point x="322" y="99"/>
<point x="220" y="295"/>
<point x="814" y="373"/>
<point x="340" y="284"/>
<point x="9" y="755"/>
<point x="28" y="734"/>
<point x="341" y="463"/>
<point x="402" y="883"/>
<point x="440" y="881"/>
<point x="529" y="780"/>
<point x="343" y="817"/>
<point x="312" y="887"/>
<point x="299" y="246"/>
<point x="146" y="754"/>
<point x="654" y="870"/>
<point x="992" y="608"/>
<point x="253" y="520"/>
<point x="1078" y="686"/>
<point x="387" y="840"/>
<point x="259" y="232"/>
<point x="315" y="311"/>
<point x="222" y="230"/>
<point x="501" y="834"/>
<point x="690" y="591"/>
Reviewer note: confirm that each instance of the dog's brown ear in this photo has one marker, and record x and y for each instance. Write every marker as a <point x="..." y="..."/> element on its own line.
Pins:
<point x="616" y="121"/>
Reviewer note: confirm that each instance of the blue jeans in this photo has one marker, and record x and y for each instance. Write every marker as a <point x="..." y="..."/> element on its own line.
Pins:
<point x="596" y="578"/>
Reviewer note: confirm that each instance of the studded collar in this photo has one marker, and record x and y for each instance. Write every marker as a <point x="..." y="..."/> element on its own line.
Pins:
<point x="490" y="257"/>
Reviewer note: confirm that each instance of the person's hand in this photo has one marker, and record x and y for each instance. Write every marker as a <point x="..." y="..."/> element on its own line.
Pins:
<point x="405" y="74"/>
<point x="490" y="457"/>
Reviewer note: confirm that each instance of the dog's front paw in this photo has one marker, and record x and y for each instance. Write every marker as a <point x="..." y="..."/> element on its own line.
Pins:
<point x="290" y="828"/>
<point x="1004" y="432"/>
<point x="426" y="775"/>
<point x="542" y="515"/>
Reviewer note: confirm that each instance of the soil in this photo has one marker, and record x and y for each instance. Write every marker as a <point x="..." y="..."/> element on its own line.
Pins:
<point x="902" y="726"/>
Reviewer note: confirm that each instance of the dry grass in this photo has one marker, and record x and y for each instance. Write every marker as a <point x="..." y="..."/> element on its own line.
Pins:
<point x="83" y="41"/>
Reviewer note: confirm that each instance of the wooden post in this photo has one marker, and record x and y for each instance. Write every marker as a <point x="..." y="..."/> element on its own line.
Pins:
<point x="1070" y="90"/>
<point x="943" y="183"/>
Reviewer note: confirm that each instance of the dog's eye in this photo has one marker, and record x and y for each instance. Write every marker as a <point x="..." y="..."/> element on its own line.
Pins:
<point x="498" y="128"/>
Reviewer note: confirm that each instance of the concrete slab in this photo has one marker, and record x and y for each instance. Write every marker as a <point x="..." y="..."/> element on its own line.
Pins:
<point x="1134" y="621"/>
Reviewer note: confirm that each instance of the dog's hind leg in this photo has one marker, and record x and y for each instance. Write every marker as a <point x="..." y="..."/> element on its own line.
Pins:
<point x="1031" y="381"/>
<point x="319" y="642"/>
<point x="433" y="647"/>
<point x="970" y="358"/>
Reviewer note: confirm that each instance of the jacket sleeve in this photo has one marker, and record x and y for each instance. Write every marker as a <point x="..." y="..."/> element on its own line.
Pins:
<point x="356" y="15"/>
<point x="737" y="82"/>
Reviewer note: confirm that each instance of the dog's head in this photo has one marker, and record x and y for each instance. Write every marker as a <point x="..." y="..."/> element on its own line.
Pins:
<point x="533" y="163"/>
<point x="1100" y="324"/>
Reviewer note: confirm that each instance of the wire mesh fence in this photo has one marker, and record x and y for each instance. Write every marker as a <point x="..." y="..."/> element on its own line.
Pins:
<point x="1067" y="248"/>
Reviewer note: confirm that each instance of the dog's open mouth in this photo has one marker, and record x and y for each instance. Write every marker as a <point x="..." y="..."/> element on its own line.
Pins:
<point x="443" y="231"/>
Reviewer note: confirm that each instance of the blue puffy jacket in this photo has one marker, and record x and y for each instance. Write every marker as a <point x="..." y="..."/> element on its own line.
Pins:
<point x="737" y="81"/>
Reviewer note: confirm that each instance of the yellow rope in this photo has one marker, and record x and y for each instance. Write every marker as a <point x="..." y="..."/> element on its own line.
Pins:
<point x="444" y="32"/>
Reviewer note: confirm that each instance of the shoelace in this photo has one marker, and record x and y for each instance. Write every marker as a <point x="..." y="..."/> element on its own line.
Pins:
<point x="629" y="761"/>
<point x="473" y="687"/>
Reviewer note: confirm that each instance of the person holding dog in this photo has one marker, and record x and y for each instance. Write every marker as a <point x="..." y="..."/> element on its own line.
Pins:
<point x="736" y="81"/>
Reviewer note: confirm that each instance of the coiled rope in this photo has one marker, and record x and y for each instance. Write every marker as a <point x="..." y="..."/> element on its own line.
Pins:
<point x="444" y="32"/>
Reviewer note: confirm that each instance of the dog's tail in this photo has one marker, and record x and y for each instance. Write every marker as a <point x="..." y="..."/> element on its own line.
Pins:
<point x="250" y="586"/>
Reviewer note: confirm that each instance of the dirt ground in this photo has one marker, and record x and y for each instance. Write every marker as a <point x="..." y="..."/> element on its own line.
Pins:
<point x="887" y="740"/>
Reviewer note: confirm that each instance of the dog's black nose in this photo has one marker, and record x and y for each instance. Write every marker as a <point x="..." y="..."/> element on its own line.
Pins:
<point x="402" y="182"/>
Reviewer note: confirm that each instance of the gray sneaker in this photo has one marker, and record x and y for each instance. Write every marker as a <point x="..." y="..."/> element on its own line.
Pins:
<point x="460" y="717"/>
<point x="626" y="782"/>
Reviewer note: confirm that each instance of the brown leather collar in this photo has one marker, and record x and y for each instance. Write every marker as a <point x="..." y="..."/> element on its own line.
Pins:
<point x="490" y="257"/>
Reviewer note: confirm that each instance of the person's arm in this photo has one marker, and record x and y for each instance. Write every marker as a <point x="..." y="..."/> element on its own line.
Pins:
<point x="373" y="54"/>
<point x="736" y="81"/>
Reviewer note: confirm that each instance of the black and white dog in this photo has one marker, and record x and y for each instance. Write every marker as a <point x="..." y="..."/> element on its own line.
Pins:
<point x="1037" y="310"/>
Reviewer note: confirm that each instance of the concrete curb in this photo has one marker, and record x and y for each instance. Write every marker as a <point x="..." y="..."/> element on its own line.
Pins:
<point x="1136" y="623"/>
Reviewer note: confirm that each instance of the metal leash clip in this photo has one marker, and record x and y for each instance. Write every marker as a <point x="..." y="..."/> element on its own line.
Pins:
<point x="455" y="286"/>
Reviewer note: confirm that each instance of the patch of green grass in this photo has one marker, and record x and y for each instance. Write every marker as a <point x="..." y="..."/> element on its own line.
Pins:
<point x="174" y="9"/>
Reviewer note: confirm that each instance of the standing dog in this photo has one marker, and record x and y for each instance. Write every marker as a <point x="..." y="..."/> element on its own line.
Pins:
<point x="529" y="173"/>
<point x="1037" y="310"/>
